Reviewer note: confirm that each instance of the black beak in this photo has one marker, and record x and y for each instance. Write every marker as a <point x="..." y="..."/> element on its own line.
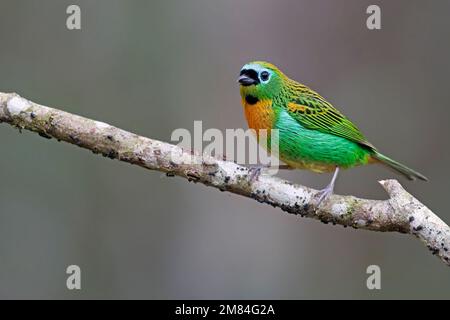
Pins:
<point x="248" y="77"/>
<point x="246" y="80"/>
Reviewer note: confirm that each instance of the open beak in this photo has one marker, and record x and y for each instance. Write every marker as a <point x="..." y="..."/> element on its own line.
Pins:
<point x="248" y="77"/>
<point x="246" y="80"/>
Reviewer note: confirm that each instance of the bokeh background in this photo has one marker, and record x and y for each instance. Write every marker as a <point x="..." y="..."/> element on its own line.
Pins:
<point x="151" y="67"/>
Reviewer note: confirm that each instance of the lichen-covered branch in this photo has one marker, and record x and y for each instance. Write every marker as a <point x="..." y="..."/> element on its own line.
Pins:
<point x="401" y="212"/>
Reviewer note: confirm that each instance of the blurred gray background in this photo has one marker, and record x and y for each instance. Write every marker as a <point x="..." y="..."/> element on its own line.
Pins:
<point x="153" y="67"/>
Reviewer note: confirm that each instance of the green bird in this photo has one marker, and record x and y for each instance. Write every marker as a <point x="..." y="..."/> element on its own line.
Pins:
<point x="313" y="134"/>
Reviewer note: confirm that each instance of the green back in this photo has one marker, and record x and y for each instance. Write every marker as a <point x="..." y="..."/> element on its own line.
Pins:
<point x="313" y="112"/>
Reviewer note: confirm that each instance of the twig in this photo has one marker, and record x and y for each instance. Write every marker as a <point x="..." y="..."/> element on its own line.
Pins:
<point x="401" y="212"/>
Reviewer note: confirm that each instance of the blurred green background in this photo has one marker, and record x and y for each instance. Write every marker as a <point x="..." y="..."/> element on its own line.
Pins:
<point x="153" y="67"/>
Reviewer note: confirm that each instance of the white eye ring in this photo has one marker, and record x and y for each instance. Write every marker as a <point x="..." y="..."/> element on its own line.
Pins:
<point x="264" y="76"/>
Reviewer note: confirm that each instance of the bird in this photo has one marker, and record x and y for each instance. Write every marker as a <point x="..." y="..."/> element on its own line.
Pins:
<point x="312" y="134"/>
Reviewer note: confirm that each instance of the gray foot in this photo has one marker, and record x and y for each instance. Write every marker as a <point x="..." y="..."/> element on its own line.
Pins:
<point x="323" y="195"/>
<point x="254" y="172"/>
<point x="328" y="191"/>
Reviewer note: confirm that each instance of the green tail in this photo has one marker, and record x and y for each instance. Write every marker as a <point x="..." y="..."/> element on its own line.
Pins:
<point x="400" y="168"/>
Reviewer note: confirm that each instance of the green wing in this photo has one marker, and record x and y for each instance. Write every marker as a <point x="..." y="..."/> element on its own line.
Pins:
<point x="314" y="112"/>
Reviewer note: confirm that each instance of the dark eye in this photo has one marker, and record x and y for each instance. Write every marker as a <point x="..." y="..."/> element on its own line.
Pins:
<point x="265" y="76"/>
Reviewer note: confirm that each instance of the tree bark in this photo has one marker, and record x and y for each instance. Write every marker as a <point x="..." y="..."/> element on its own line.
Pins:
<point x="401" y="212"/>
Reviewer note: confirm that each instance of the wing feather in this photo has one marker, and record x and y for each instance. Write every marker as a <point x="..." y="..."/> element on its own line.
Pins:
<point x="314" y="112"/>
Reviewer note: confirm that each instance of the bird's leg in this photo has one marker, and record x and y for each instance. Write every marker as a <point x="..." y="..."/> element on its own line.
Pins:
<point x="328" y="190"/>
<point x="254" y="172"/>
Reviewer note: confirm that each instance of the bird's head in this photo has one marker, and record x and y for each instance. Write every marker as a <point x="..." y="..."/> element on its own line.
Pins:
<point x="261" y="80"/>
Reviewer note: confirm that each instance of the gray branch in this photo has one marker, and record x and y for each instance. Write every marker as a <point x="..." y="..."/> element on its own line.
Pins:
<point x="401" y="212"/>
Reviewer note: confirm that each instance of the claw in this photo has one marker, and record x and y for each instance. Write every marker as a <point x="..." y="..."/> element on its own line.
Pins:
<point x="323" y="195"/>
<point x="254" y="172"/>
<point x="327" y="191"/>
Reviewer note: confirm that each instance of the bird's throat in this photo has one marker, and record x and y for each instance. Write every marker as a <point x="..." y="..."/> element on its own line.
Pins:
<point x="259" y="113"/>
<point x="251" y="100"/>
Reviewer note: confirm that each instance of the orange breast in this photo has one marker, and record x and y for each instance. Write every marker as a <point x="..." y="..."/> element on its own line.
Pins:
<point x="259" y="115"/>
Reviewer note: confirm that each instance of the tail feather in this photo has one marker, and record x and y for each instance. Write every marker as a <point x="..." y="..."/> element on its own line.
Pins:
<point x="400" y="168"/>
